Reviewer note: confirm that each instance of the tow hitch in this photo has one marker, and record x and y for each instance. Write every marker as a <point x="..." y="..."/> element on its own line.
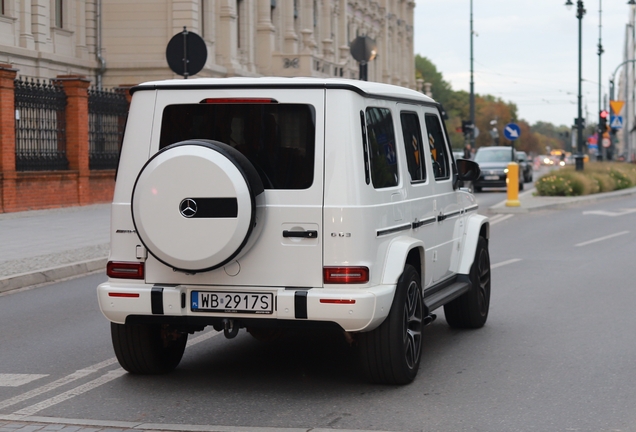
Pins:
<point x="230" y="329"/>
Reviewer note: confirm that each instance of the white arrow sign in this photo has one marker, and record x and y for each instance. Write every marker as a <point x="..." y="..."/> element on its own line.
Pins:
<point x="512" y="132"/>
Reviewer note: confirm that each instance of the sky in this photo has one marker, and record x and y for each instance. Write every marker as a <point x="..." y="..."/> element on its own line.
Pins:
<point x="525" y="51"/>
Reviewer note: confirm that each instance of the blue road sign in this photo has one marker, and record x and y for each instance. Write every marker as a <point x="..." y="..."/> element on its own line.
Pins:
<point x="616" y="122"/>
<point x="512" y="131"/>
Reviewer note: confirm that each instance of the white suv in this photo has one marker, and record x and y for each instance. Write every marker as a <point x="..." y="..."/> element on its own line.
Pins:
<point x="273" y="203"/>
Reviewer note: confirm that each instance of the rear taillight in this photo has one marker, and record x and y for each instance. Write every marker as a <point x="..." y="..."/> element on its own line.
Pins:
<point x="345" y="275"/>
<point x="123" y="295"/>
<point x="125" y="270"/>
<point x="338" y="301"/>
<point x="238" y="101"/>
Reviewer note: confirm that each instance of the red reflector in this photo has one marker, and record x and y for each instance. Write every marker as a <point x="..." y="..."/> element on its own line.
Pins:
<point x="345" y="275"/>
<point x="238" y="101"/>
<point x="125" y="270"/>
<point x="337" y="301"/>
<point x="123" y="294"/>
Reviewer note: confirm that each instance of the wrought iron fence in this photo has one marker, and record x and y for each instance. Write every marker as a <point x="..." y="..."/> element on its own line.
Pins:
<point x="107" y="112"/>
<point x="40" y="126"/>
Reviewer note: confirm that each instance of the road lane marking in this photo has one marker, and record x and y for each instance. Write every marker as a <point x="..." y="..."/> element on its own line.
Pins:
<point x="607" y="237"/>
<point x="82" y="373"/>
<point x="499" y="218"/>
<point x="106" y="378"/>
<point x="609" y="213"/>
<point x="501" y="264"/>
<point x="17" y="380"/>
<point x="55" y="384"/>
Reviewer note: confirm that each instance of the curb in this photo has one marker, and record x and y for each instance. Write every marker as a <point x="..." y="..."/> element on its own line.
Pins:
<point x="32" y="422"/>
<point x="52" y="274"/>
<point x="543" y="203"/>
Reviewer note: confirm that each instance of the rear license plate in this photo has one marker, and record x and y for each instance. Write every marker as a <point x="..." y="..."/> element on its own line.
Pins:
<point x="234" y="302"/>
<point x="491" y="177"/>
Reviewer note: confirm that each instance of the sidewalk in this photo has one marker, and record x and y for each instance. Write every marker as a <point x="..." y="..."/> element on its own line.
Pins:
<point x="46" y="245"/>
<point x="530" y="203"/>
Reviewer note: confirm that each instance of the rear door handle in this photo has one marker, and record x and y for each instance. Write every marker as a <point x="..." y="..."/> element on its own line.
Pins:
<point x="441" y="217"/>
<point x="301" y="234"/>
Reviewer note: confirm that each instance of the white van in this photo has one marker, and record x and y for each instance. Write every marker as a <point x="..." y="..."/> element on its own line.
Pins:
<point x="273" y="203"/>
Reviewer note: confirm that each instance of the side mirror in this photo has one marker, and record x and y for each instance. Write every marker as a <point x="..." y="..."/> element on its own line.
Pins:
<point x="467" y="170"/>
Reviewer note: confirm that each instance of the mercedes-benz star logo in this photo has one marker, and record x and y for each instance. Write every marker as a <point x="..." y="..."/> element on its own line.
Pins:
<point x="188" y="207"/>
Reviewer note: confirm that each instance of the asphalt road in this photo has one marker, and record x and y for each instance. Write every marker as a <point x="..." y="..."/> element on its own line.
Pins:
<point x="557" y="353"/>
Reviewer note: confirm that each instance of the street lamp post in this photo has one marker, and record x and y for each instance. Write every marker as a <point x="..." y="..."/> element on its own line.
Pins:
<point x="580" y="11"/>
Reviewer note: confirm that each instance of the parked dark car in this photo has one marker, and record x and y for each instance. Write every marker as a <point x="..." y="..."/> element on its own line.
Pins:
<point x="493" y="163"/>
<point x="525" y="166"/>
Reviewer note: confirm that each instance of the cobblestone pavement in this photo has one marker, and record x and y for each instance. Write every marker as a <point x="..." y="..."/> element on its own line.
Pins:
<point x="52" y="425"/>
<point x="34" y="427"/>
<point x="41" y="427"/>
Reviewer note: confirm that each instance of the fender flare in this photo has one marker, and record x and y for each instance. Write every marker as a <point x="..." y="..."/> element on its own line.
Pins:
<point x="397" y="253"/>
<point x="475" y="225"/>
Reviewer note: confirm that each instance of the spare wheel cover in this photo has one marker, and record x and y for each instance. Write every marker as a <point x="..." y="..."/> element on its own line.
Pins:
<point x="193" y="205"/>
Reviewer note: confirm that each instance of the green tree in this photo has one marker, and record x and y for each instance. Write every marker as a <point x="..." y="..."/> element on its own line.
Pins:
<point x="533" y="139"/>
<point x="427" y="71"/>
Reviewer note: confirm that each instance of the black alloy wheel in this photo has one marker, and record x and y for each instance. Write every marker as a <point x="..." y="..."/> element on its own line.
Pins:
<point x="471" y="309"/>
<point x="391" y="353"/>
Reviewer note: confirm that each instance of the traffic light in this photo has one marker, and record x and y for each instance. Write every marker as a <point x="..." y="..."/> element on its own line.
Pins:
<point x="582" y="121"/>
<point x="602" y="124"/>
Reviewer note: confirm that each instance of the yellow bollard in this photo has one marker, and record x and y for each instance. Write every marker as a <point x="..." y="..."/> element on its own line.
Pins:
<point x="512" y="181"/>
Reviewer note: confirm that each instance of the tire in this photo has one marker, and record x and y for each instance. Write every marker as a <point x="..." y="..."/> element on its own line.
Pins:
<point x="477" y="188"/>
<point x="471" y="309"/>
<point x="147" y="349"/>
<point x="521" y="185"/>
<point x="390" y="354"/>
<point x="193" y="191"/>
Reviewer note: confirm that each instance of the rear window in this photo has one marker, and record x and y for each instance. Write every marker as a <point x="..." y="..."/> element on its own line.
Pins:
<point x="502" y="154"/>
<point x="279" y="139"/>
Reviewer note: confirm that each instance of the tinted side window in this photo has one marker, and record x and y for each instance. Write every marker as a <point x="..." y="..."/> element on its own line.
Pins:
<point x="382" y="149"/>
<point x="437" y="147"/>
<point x="278" y="139"/>
<point x="413" y="146"/>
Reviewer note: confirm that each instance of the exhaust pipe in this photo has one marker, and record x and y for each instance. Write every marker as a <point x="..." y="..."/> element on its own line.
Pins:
<point x="428" y="319"/>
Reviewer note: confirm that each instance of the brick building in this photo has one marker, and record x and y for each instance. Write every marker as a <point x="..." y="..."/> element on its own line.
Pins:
<point x="114" y="43"/>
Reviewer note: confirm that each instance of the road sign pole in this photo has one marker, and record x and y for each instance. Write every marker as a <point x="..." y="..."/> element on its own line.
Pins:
<point x="185" y="53"/>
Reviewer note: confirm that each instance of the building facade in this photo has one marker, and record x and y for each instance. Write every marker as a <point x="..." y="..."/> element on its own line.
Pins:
<point x="624" y="89"/>
<point x="120" y="42"/>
